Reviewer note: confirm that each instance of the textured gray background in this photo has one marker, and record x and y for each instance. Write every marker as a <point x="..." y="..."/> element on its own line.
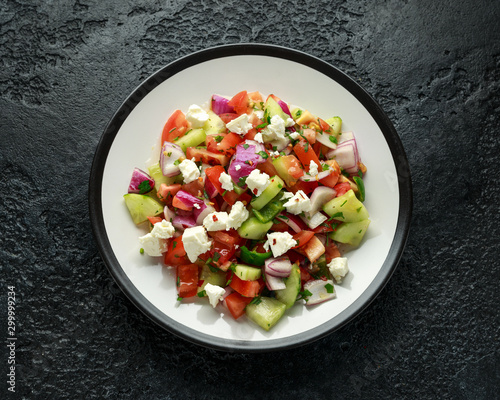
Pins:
<point x="433" y="332"/>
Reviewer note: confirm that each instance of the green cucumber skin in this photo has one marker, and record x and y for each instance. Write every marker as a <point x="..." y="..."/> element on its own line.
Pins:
<point x="275" y="186"/>
<point x="289" y="295"/>
<point x="141" y="207"/>
<point x="266" y="313"/>
<point x="350" y="232"/>
<point x="252" y="228"/>
<point x="270" y="210"/>
<point x="247" y="273"/>
<point x="193" y="138"/>
<point x="346" y="208"/>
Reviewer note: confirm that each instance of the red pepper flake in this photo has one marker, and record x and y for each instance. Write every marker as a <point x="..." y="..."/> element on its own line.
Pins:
<point x="255" y="191"/>
<point x="214" y="217"/>
<point x="274" y="242"/>
<point x="250" y="162"/>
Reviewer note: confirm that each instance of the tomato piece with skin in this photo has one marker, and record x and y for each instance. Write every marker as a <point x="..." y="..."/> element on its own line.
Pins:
<point x="246" y="288"/>
<point x="176" y="255"/>
<point x="228" y="144"/>
<point x="305" y="276"/>
<point x="240" y="102"/>
<point x="331" y="251"/>
<point x="176" y="126"/>
<point x="302" y="238"/>
<point x="154" y="220"/>
<point x="229" y="237"/>
<point x="206" y="157"/>
<point x="342" y="188"/>
<point x="212" y="141"/>
<point x="213" y="174"/>
<point x="267" y="167"/>
<point x="236" y="304"/>
<point x="194" y="187"/>
<point x="305" y="153"/>
<point x="313" y="249"/>
<point x="167" y="192"/>
<point x="306" y="187"/>
<point x="180" y="205"/>
<point x="332" y="179"/>
<point x="256" y="97"/>
<point x="187" y="280"/>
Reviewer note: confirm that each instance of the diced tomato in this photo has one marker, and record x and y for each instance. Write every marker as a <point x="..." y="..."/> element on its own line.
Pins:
<point x="313" y="249"/>
<point x="250" y="135"/>
<point x="254" y="120"/>
<point x="176" y="126"/>
<point x="304" y="276"/>
<point x="327" y="226"/>
<point x="274" y="97"/>
<point x="180" y="205"/>
<point x="166" y="192"/>
<point x="259" y="248"/>
<point x="279" y="227"/>
<point x="214" y="173"/>
<point x="302" y="238"/>
<point x="310" y="135"/>
<point x="267" y="167"/>
<point x="187" y="280"/>
<point x="246" y="288"/>
<point x="194" y="187"/>
<point x="256" y="97"/>
<point x="228" y="117"/>
<point x="305" y="152"/>
<point x="212" y="141"/>
<point x="295" y="258"/>
<point x="229" y="237"/>
<point x="342" y="188"/>
<point x="324" y="126"/>
<point x="176" y="255"/>
<point x="236" y="304"/>
<point x="332" y="179"/>
<point x="245" y="198"/>
<point x="207" y="157"/>
<point x="306" y="187"/>
<point x="228" y="144"/>
<point x="331" y="251"/>
<point x="221" y="252"/>
<point x="240" y="102"/>
<point x="154" y="220"/>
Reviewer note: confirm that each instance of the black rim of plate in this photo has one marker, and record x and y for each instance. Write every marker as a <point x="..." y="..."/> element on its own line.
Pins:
<point x="136" y="297"/>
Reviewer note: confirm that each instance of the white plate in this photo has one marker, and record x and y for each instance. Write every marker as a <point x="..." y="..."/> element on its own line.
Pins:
<point x="297" y="78"/>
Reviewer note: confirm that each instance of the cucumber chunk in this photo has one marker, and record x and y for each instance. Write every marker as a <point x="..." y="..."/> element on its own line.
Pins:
<point x="346" y="208"/>
<point x="335" y="123"/>
<point x="214" y="124"/>
<point x="193" y="138"/>
<point x="274" y="187"/>
<point x="208" y="275"/>
<point x="272" y="108"/>
<point x="247" y="273"/>
<point x="289" y="295"/>
<point x="142" y="206"/>
<point x="252" y="228"/>
<point x="350" y="232"/>
<point x="270" y="210"/>
<point x="266" y="313"/>
<point x="157" y="175"/>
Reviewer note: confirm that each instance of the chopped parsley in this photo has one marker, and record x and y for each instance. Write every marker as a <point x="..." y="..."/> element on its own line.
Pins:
<point x="329" y="288"/>
<point x="144" y="186"/>
<point x="177" y="162"/>
<point x="203" y="293"/>
<point x="333" y="139"/>
<point x="219" y="138"/>
<point x="342" y="205"/>
<point x="256" y="300"/>
<point x="171" y="130"/>
<point x="263" y="154"/>
<point x="337" y="215"/>
<point x="245" y="146"/>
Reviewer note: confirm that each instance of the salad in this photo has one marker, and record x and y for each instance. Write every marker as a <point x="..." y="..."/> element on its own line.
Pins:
<point x="248" y="202"/>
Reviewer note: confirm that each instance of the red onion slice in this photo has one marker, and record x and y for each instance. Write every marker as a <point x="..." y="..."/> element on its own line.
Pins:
<point x="293" y="221"/>
<point x="140" y="182"/>
<point x="278" y="267"/>
<point x="285" y="108"/>
<point x="274" y="283"/>
<point x="183" y="221"/>
<point x="189" y="200"/>
<point x="220" y="106"/>
<point x="346" y="155"/>
<point x="324" y="139"/>
<point x="170" y="153"/>
<point x="319" y="292"/>
<point x="319" y="197"/>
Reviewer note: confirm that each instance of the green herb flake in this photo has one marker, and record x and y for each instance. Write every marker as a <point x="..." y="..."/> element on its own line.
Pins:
<point x="171" y="130"/>
<point x="224" y="193"/>
<point x="179" y="298"/>
<point x="337" y="215"/>
<point x="342" y="205"/>
<point x="280" y="185"/>
<point x="141" y="250"/>
<point x="329" y="288"/>
<point x="306" y="147"/>
<point x="359" y="209"/>
<point x="213" y="269"/>
<point x="216" y="256"/>
<point x="263" y="154"/>
<point x="178" y="283"/>
<point x="202" y="293"/>
<point x="177" y="162"/>
<point x="262" y="125"/>
<point x="256" y="300"/>
<point x="174" y="244"/>
<point x="333" y="139"/>
<point x="242" y="181"/>
<point x="245" y="146"/>
<point x="144" y="186"/>
<point x="219" y="138"/>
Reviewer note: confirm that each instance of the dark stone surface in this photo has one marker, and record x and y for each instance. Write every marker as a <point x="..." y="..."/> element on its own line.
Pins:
<point x="434" y="330"/>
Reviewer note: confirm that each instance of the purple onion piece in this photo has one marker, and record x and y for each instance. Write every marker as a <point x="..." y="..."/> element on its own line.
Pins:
<point x="278" y="267"/>
<point x="140" y="182"/>
<point x="285" y="108"/>
<point x="274" y="283"/>
<point x="183" y="221"/>
<point x="220" y="106"/>
<point x="170" y="153"/>
<point x="319" y="291"/>
<point x="188" y="199"/>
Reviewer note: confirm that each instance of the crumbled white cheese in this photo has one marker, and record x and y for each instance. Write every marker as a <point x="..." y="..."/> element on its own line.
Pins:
<point x="237" y="216"/>
<point x="286" y="195"/>
<point x="215" y="294"/>
<point x="239" y="125"/>
<point x="226" y="181"/>
<point x="152" y="245"/>
<point x="313" y="168"/>
<point x="298" y="203"/>
<point x="216" y="221"/>
<point x="197" y="116"/>
<point x="259" y="114"/>
<point x="275" y="130"/>
<point x="279" y="242"/>
<point x="258" y="137"/>
<point x="196" y="242"/>
<point x="196" y="205"/>
<point x="289" y="122"/>
<point x="163" y="230"/>
<point x="189" y="170"/>
<point x="237" y="167"/>
<point x="338" y="268"/>
<point x="294" y="135"/>
<point x="257" y="181"/>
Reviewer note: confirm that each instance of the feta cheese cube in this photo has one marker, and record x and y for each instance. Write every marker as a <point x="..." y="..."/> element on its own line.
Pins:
<point x="280" y="242"/>
<point x="215" y="294"/>
<point x="313" y="168"/>
<point x="237" y="216"/>
<point x="152" y="245"/>
<point x="163" y="230"/>
<point x="298" y="203"/>
<point x="226" y="181"/>
<point x="258" y="138"/>
<point x="196" y="242"/>
<point x="239" y="125"/>
<point x="197" y="116"/>
<point x="237" y="167"/>
<point x="275" y="130"/>
<point x="294" y="135"/>
<point x="338" y="268"/>
<point x="289" y="122"/>
<point x="189" y="170"/>
<point x="257" y="181"/>
<point x="216" y="221"/>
